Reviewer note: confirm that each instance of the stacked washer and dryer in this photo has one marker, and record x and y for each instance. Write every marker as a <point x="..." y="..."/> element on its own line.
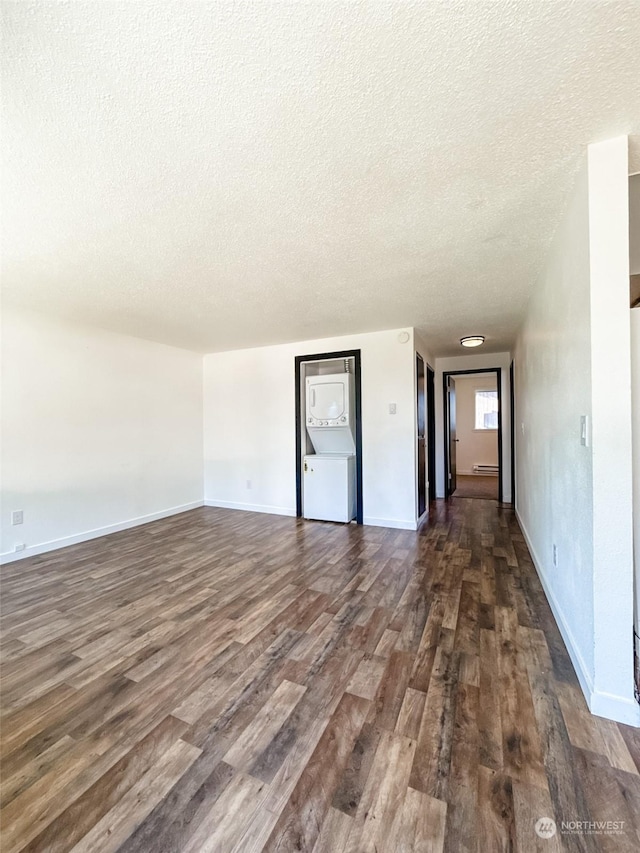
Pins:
<point x="329" y="481"/>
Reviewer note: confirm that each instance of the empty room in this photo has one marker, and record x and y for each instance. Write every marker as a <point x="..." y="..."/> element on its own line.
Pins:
<point x="320" y="426"/>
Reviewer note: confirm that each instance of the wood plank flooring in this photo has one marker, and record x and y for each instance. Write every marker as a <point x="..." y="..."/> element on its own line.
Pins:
<point x="226" y="681"/>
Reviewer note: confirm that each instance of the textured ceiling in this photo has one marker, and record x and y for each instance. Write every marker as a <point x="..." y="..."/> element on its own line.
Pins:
<point x="222" y="175"/>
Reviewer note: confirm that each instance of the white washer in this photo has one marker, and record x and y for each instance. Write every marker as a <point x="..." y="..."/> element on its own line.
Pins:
<point x="330" y="486"/>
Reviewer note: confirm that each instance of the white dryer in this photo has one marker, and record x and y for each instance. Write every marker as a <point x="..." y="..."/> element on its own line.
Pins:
<point x="330" y="413"/>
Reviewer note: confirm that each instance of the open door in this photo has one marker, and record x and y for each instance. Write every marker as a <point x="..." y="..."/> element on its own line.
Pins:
<point x="431" y="432"/>
<point x="421" y="424"/>
<point x="451" y="429"/>
<point x="512" y="402"/>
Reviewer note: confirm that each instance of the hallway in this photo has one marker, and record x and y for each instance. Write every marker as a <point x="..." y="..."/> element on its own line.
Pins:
<point x="474" y="486"/>
<point x="225" y="681"/>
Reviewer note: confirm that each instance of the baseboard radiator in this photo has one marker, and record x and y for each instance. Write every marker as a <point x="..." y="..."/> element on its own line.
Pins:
<point x="491" y="470"/>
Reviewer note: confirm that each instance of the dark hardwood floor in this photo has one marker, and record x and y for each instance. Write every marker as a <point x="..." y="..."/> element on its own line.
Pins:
<point x="226" y="681"/>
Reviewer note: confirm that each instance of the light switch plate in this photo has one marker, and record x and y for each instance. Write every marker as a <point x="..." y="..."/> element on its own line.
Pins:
<point x="17" y="517"/>
<point x="584" y="430"/>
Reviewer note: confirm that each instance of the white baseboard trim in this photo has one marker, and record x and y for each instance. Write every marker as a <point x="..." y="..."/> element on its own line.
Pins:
<point x="96" y="533"/>
<point x="271" y="510"/>
<point x="618" y="708"/>
<point x="395" y="523"/>
<point x="615" y="708"/>
<point x="283" y="510"/>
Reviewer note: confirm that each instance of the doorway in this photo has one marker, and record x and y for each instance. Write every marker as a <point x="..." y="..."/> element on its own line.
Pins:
<point x="421" y="415"/>
<point x="426" y="434"/>
<point x="431" y="432"/>
<point x="320" y="363"/>
<point x="473" y="462"/>
<point x="512" y="402"/>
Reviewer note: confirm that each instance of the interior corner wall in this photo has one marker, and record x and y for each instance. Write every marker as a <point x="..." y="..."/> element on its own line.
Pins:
<point x="422" y="348"/>
<point x="100" y="432"/>
<point x="634" y="154"/>
<point x="249" y="434"/>
<point x="572" y="359"/>
<point x="479" y="361"/>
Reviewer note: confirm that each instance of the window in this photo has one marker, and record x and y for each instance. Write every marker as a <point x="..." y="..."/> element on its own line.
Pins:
<point x="486" y="410"/>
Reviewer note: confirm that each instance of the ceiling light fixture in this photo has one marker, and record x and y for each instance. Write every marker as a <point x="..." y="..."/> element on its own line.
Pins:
<point x="472" y="341"/>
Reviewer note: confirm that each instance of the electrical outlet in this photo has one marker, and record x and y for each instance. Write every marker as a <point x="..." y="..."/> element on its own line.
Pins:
<point x="392" y="408"/>
<point x="522" y="428"/>
<point x="248" y="484"/>
<point x="19" y="546"/>
<point x="17" y="517"/>
<point x="555" y="555"/>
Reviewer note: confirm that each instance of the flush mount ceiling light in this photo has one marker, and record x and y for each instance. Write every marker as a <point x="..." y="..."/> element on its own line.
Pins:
<point x="472" y="341"/>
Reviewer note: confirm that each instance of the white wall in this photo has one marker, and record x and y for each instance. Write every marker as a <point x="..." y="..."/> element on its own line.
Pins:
<point x="249" y="433"/>
<point x="99" y="431"/>
<point x="478" y="361"/>
<point x="474" y="446"/>
<point x="611" y="431"/>
<point x="553" y="389"/>
<point x="572" y="358"/>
